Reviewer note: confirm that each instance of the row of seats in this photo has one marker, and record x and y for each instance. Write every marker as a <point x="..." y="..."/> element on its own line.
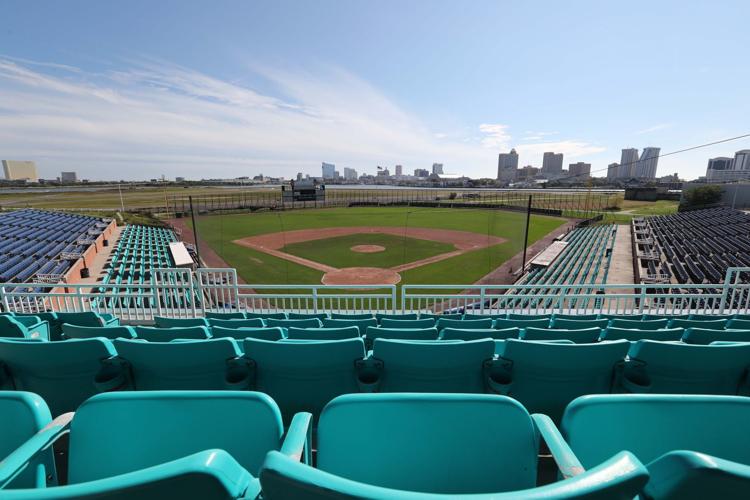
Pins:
<point x="49" y="325"/>
<point x="305" y="375"/>
<point x="206" y="444"/>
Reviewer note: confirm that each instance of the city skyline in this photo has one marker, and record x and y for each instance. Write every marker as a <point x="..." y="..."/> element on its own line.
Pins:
<point x="116" y="95"/>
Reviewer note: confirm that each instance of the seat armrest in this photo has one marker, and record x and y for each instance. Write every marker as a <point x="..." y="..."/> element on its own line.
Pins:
<point x="298" y="440"/>
<point x="19" y="459"/>
<point x="109" y="320"/>
<point x="566" y="461"/>
<point x="39" y="330"/>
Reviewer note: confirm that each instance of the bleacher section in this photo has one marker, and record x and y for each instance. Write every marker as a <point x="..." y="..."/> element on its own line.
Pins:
<point x="140" y="250"/>
<point x="442" y="405"/>
<point x="585" y="260"/>
<point x="41" y="246"/>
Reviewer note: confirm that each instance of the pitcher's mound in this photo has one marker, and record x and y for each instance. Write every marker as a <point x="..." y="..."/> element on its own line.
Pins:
<point x="361" y="276"/>
<point x="367" y="248"/>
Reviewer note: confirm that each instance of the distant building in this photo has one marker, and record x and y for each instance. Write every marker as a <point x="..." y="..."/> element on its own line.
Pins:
<point x="71" y="177"/>
<point x="507" y="164"/>
<point x="727" y="175"/>
<point x="612" y="169"/>
<point x="741" y="160"/>
<point x="421" y="172"/>
<point x="383" y="172"/>
<point x="20" y="170"/>
<point x="552" y="164"/>
<point x="628" y="162"/>
<point x="646" y="166"/>
<point x="399" y="170"/>
<point x="581" y="170"/>
<point x="329" y="170"/>
<point x="526" y="173"/>
<point x="350" y="174"/>
<point x="176" y="179"/>
<point x="720" y="163"/>
<point x="299" y="176"/>
<point x="437" y="168"/>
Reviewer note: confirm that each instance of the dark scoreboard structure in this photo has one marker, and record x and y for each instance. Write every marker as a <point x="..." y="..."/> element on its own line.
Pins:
<point x="304" y="190"/>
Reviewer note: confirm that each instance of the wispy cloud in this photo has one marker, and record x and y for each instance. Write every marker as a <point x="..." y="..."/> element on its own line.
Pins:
<point x="654" y="128"/>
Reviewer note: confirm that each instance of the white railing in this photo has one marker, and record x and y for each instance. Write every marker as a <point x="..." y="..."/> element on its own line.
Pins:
<point x="182" y="293"/>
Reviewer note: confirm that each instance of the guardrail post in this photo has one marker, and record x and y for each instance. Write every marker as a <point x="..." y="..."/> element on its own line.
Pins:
<point x="403" y="298"/>
<point x="4" y="298"/>
<point x="393" y="299"/>
<point x="481" y="300"/>
<point x="79" y="299"/>
<point x="725" y="289"/>
<point x="642" y="299"/>
<point x="315" y="300"/>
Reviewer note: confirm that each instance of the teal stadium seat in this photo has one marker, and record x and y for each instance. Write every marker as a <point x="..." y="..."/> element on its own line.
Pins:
<point x="275" y="333"/>
<point x="545" y="377"/>
<point x="89" y="332"/>
<point x="352" y="316"/>
<point x="502" y="324"/>
<point x="465" y="324"/>
<point x="374" y="333"/>
<point x="738" y="324"/>
<point x="528" y="317"/>
<point x="237" y="323"/>
<point x="152" y="334"/>
<point x="65" y="374"/>
<point x="438" y="317"/>
<point x="362" y="324"/>
<point x="170" y="444"/>
<point x="705" y="337"/>
<point x="652" y="324"/>
<point x="34" y="328"/>
<point x="460" y="334"/>
<point x="413" y="443"/>
<point x="191" y="365"/>
<point x="87" y="318"/>
<point x="576" y="317"/>
<point x="409" y="366"/>
<point x="583" y="336"/>
<point x="399" y="316"/>
<point x="676" y="368"/>
<point x="24" y="414"/>
<point x="297" y="323"/>
<point x="262" y="315"/>
<point x="656" y="428"/>
<point x="407" y="323"/>
<point x="162" y="322"/>
<point x="717" y="324"/>
<point x="634" y="335"/>
<point x="55" y="326"/>
<point x="320" y="316"/>
<point x="224" y="315"/>
<point x="578" y="324"/>
<point x="304" y="376"/>
<point x="349" y="332"/>
<point x="649" y="316"/>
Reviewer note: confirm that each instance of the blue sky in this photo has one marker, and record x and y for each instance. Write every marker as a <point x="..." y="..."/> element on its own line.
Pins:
<point x="226" y="88"/>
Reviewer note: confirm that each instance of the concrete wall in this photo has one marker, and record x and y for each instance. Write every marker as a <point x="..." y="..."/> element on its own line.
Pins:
<point x="734" y="195"/>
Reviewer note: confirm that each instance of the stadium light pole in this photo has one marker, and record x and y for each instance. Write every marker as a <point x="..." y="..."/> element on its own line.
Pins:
<point x="195" y="231"/>
<point x="526" y="234"/>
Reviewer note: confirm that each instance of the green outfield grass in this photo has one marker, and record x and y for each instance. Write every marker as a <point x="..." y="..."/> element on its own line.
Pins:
<point x="336" y="252"/>
<point x="257" y="267"/>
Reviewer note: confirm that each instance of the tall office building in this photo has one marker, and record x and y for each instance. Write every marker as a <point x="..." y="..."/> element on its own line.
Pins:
<point x="720" y="163"/>
<point x="552" y="164"/>
<point x="350" y="174"/>
<point x="628" y="162"/>
<point x="20" y="170"/>
<point x="437" y="168"/>
<point x="507" y="164"/>
<point x="329" y="170"/>
<point x="421" y="172"/>
<point x="70" y="177"/>
<point x="581" y="170"/>
<point x="612" y="169"/>
<point x="741" y="160"/>
<point x="646" y="166"/>
<point x="399" y="170"/>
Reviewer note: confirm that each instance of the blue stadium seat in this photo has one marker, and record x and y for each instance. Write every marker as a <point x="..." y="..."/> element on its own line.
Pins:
<point x="237" y="323"/>
<point x="407" y="323"/>
<point x="11" y="327"/>
<point x="633" y="335"/>
<point x="656" y="428"/>
<point x="676" y="368"/>
<point x="65" y="374"/>
<point x="413" y="443"/>
<point x="191" y="365"/>
<point x="460" y="334"/>
<point x="152" y="334"/>
<point x="162" y="322"/>
<point x="584" y="336"/>
<point x="275" y="333"/>
<point x="350" y="332"/>
<point x="89" y="332"/>
<point x="545" y="377"/>
<point x="304" y="376"/>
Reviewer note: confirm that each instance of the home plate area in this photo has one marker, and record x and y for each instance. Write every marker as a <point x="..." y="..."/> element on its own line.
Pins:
<point x="308" y="247"/>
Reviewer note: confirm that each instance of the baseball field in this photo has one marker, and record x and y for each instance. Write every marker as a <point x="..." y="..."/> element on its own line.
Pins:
<point x="371" y="245"/>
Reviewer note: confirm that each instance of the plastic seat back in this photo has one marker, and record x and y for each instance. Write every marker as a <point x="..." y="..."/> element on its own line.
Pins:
<point x="352" y="316"/>
<point x="407" y="316"/>
<point x="12" y="328"/>
<point x="438" y="317"/>
<point x="652" y="324"/>
<point x="297" y="323"/>
<point x="716" y="324"/>
<point x="23" y="415"/>
<point x="361" y="324"/>
<point x="676" y="368"/>
<point x="374" y="333"/>
<point x="584" y="336"/>
<point x="64" y="374"/>
<point x="545" y="377"/>
<point x="192" y="365"/>
<point x="650" y="425"/>
<point x="414" y="440"/>
<point x="579" y="324"/>
<point x="350" y="332"/>
<point x="304" y="376"/>
<point x="89" y="332"/>
<point x="664" y="335"/>
<point x="152" y="334"/>
<point x="502" y="324"/>
<point x="705" y="337"/>
<point x="86" y="318"/>
<point x="465" y="324"/>
<point x="225" y="315"/>
<point x="320" y="316"/>
<point x="156" y="427"/>
<point x="162" y="322"/>
<point x="738" y="324"/>
<point x="528" y="316"/>
<point x="237" y="323"/>
<point x="407" y="323"/>
<point x="576" y="317"/>
<point x="408" y="366"/>
<point x="268" y="315"/>
<point x="269" y="333"/>
<point x="491" y="333"/>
